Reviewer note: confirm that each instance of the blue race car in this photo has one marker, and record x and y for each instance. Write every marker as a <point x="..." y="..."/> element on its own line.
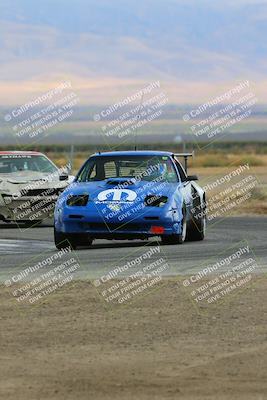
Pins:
<point x="131" y="195"/>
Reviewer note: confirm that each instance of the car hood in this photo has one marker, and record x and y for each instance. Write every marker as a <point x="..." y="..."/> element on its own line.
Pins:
<point x="16" y="181"/>
<point x="23" y="176"/>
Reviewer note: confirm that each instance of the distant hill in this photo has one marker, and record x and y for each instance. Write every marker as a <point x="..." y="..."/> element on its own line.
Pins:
<point x="189" y="43"/>
<point x="201" y="39"/>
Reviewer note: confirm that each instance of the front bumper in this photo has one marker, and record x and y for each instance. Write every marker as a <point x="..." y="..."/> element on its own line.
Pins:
<point x="153" y="221"/>
<point x="27" y="208"/>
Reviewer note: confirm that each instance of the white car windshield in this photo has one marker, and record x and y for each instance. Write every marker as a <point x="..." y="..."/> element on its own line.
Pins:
<point x="16" y="163"/>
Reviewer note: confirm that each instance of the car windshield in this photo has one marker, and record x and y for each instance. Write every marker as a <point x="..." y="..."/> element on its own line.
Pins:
<point x="16" y="163"/>
<point x="143" y="168"/>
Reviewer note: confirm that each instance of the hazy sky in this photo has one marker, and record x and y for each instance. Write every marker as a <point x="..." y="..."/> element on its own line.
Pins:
<point x="186" y="41"/>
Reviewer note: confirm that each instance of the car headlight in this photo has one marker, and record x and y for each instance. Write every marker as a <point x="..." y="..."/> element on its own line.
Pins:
<point x="155" y="200"/>
<point x="77" y="200"/>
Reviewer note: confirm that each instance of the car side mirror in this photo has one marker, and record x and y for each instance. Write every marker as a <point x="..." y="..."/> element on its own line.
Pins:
<point x="192" y="178"/>
<point x="63" y="177"/>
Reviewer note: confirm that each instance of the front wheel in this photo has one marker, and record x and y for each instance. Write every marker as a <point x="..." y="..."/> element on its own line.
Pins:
<point x="63" y="241"/>
<point x="197" y="229"/>
<point x="176" y="239"/>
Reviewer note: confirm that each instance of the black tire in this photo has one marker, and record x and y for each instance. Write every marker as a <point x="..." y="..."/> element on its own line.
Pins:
<point x="83" y="240"/>
<point x="197" y="229"/>
<point x="176" y="239"/>
<point x="197" y="226"/>
<point x="63" y="241"/>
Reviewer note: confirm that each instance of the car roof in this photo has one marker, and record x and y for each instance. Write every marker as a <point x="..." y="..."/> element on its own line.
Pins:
<point x="19" y="153"/>
<point x="133" y="153"/>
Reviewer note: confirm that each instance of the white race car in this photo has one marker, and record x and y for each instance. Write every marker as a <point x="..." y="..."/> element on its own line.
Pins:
<point x="30" y="184"/>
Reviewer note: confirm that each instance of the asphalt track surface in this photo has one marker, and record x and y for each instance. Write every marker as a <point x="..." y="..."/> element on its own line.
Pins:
<point x="22" y="247"/>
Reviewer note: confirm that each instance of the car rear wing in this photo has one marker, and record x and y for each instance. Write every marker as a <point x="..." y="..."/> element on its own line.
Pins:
<point x="185" y="156"/>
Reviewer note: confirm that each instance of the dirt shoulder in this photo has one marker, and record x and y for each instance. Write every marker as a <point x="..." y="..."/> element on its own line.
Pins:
<point x="160" y="347"/>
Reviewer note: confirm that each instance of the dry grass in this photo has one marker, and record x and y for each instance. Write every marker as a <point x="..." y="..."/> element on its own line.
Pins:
<point x="205" y="161"/>
<point x="223" y="160"/>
